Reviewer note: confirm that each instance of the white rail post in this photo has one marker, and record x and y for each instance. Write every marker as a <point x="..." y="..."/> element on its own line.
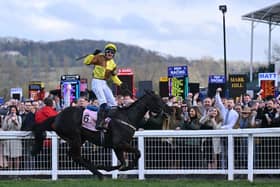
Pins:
<point x="141" y="161"/>
<point x="230" y="158"/>
<point x="114" y="163"/>
<point x="251" y="157"/>
<point x="54" y="155"/>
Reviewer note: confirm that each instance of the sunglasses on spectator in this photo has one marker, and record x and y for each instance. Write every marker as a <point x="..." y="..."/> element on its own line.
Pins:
<point x="111" y="51"/>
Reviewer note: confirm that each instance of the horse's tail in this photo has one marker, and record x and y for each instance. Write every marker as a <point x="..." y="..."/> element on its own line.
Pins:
<point x="39" y="134"/>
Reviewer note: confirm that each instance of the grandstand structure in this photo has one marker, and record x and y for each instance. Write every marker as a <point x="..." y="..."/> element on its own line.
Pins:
<point x="269" y="15"/>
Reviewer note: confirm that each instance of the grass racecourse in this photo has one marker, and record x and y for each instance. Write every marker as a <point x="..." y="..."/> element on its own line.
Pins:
<point x="135" y="183"/>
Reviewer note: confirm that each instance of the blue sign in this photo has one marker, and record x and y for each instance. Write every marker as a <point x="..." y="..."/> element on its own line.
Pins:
<point x="216" y="79"/>
<point x="177" y="71"/>
<point x="2" y="101"/>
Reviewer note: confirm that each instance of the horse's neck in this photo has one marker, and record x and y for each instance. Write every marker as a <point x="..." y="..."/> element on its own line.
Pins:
<point x="136" y="112"/>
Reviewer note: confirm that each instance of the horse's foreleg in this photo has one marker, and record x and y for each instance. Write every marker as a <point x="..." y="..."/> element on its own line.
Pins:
<point x="75" y="153"/>
<point x="119" y="153"/>
<point x="136" y="155"/>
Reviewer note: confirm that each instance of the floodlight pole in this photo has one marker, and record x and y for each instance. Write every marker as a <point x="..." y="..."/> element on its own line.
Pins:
<point x="223" y="8"/>
<point x="252" y="51"/>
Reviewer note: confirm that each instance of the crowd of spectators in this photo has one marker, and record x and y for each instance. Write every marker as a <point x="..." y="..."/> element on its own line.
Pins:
<point x="219" y="113"/>
<point x="189" y="114"/>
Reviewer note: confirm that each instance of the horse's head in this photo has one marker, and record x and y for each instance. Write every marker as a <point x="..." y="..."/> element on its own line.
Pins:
<point x="168" y="110"/>
<point x="154" y="103"/>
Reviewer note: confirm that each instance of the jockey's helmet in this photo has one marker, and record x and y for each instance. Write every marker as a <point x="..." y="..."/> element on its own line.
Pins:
<point x="111" y="46"/>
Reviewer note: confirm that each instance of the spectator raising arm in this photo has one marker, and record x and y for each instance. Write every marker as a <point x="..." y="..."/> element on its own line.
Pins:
<point x="230" y="116"/>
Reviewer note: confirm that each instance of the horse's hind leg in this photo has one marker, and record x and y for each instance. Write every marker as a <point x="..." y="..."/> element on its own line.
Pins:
<point x="75" y="153"/>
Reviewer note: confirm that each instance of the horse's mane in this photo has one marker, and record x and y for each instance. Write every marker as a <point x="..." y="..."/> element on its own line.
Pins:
<point x="134" y="103"/>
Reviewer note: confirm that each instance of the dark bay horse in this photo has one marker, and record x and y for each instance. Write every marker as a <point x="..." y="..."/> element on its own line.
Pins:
<point x="121" y="128"/>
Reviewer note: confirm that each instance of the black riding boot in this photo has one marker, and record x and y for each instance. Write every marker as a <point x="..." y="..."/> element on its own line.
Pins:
<point x="101" y="115"/>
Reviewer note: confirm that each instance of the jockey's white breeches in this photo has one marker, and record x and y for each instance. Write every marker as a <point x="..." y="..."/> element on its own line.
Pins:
<point x="102" y="91"/>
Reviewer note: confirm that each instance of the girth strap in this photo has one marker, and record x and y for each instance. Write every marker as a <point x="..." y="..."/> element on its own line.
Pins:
<point x="125" y="123"/>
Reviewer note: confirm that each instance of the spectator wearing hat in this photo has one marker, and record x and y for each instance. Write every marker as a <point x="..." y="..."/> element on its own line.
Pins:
<point x="245" y="120"/>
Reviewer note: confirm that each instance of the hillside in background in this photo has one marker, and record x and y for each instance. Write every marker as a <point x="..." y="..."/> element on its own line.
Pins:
<point x="23" y="60"/>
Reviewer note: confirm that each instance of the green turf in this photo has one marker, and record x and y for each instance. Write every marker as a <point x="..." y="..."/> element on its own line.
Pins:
<point x="134" y="183"/>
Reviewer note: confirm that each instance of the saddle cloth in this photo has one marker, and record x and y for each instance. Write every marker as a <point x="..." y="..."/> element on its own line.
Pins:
<point x="89" y="120"/>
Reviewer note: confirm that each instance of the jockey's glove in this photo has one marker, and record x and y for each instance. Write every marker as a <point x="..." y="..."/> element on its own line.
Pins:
<point x="97" y="51"/>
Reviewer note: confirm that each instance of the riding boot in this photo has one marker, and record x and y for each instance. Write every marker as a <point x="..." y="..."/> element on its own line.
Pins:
<point x="101" y="115"/>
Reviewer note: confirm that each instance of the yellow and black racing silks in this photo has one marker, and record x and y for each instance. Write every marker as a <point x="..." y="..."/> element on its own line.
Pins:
<point x="103" y="69"/>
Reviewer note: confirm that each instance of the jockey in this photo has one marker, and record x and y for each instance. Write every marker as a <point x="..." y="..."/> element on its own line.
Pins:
<point x="104" y="68"/>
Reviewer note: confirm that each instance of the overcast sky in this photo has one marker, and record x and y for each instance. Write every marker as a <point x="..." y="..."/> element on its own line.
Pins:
<point x="188" y="28"/>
